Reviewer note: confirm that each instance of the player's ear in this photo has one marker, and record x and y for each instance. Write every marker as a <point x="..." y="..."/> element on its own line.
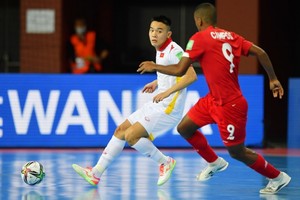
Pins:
<point x="201" y="21"/>
<point x="169" y="34"/>
<point x="198" y="22"/>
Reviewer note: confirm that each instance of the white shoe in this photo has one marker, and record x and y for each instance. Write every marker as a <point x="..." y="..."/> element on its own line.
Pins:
<point x="87" y="174"/>
<point x="165" y="171"/>
<point x="211" y="169"/>
<point x="276" y="184"/>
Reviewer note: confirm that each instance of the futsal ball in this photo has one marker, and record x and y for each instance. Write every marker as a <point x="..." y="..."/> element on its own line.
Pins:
<point x="32" y="172"/>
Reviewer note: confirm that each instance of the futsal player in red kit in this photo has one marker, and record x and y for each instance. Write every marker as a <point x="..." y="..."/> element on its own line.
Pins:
<point x="218" y="52"/>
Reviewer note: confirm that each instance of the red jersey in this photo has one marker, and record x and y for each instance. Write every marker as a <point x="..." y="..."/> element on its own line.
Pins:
<point x="218" y="52"/>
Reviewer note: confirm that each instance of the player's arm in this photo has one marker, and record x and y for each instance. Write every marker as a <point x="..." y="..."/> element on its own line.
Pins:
<point x="150" y="87"/>
<point x="265" y="61"/>
<point x="175" y="70"/>
<point x="187" y="79"/>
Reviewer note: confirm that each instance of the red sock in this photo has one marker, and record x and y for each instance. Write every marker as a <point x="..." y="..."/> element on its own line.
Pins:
<point x="200" y="144"/>
<point x="264" y="168"/>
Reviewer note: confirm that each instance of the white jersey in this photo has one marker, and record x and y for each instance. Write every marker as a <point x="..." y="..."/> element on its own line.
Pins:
<point x="158" y="118"/>
<point x="169" y="55"/>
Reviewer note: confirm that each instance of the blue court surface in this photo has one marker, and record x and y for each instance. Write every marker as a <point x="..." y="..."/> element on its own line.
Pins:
<point x="133" y="176"/>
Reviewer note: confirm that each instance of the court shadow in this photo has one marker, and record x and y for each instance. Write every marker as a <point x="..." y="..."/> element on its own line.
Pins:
<point x="33" y="195"/>
<point x="163" y="195"/>
<point x="269" y="197"/>
<point x="91" y="194"/>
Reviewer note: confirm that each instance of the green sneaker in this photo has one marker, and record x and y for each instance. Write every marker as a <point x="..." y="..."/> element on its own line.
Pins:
<point x="165" y="171"/>
<point x="87" y="174"/>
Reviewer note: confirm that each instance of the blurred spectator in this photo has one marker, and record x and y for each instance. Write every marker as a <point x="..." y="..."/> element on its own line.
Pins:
<point x="86" y="51"/>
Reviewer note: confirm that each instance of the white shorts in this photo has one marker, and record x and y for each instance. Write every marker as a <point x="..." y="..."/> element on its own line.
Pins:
<point x="153" y="118"/>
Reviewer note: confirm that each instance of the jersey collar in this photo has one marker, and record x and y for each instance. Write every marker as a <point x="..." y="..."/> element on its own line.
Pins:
<point x="167" y="42"/>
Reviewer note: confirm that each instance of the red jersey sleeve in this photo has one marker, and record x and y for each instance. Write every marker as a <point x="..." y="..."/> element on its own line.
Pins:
<point x="193" y="48"/>
<point x="245" y="47"/>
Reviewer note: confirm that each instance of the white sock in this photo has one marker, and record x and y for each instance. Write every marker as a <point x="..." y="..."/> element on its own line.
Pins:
<point x="147" y="148"/>
<point x="114" y="147"/>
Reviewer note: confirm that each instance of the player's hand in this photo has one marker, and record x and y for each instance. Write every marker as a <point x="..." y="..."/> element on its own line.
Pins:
<point x="149" y="88"/>
<point x="146" y="66"/>
<point x="161" y="96"/>
<point x="276" y="89"/>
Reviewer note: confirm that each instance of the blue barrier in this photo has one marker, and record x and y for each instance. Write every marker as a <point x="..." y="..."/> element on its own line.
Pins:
<point x="44" y="110"/>
<point x="294" y="113"/>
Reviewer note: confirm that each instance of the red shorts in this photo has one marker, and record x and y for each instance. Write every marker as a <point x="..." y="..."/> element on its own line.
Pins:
<point x="231" y="118"/>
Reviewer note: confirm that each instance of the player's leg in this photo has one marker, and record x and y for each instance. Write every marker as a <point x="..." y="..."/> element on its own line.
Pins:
<point x="257" y="162"/>
<point x="138" y="138"/>
<point x="233" y="133"/>
<point x="197" y="117"/>
<point x="111" y="151"/>
<point x="189" y="131"/>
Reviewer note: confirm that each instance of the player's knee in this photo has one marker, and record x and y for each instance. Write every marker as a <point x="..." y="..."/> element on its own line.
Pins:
<point x="181" y="129"/>
<point x="120" y="133"/>
<point x="130" y="137"/>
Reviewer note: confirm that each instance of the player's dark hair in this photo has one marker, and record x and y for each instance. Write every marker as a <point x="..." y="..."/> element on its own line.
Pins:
<point x="163" y="19"/>
<point x="208" y="12"/>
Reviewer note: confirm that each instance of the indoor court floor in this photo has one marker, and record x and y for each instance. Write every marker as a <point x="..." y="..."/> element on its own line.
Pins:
<point x="133" y="176"/>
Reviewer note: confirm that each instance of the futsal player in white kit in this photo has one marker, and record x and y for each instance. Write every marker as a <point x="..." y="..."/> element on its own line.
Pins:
<point x="153" y="118"/>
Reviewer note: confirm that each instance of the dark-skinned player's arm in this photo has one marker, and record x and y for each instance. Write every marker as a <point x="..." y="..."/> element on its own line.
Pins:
<point x="178" y="69"/>
<point x="266" y="63"/>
